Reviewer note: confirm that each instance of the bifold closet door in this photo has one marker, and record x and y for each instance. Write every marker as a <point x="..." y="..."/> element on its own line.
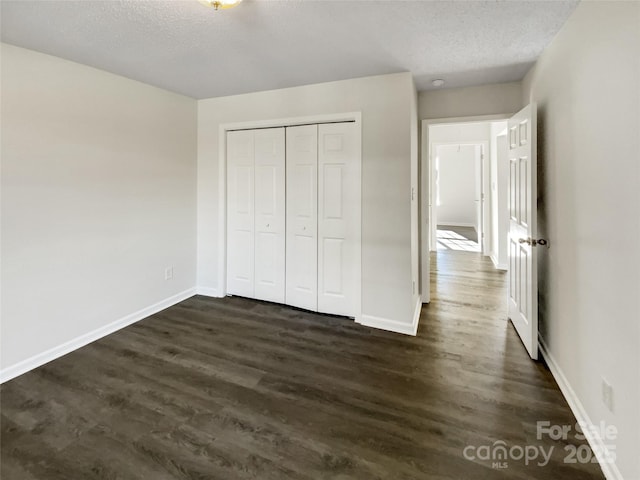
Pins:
<point x="256" y="214"/>
<point x="240" y="213"/>
<point x="270" y="214"/>
<point x="338" y="218"/>
<point x="302" y="217"/>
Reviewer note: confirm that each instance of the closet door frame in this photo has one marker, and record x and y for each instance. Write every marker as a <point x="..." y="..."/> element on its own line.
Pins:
<point x="355" y="117"/>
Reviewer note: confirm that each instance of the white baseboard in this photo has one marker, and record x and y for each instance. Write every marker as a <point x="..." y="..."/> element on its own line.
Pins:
<point x="416" y="315"/>
<point x="592" y="435"/>
<point x="394" y="325"/>
<point x="499" y="266"/>
<point x="56" y="352"/>
<point x="208" y="292"/>
<point x="451" y="224"/>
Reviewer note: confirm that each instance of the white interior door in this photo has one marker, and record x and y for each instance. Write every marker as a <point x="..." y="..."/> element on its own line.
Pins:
<point x="240" y="213"/>
<point x="523" y="279"/>
<point x="338" y="218"/>
<point x="270" y="216"/>
<point x="302" y="217"/>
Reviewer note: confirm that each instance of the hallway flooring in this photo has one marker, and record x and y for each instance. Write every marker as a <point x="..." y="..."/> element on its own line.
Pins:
<point x="457" y="238"/>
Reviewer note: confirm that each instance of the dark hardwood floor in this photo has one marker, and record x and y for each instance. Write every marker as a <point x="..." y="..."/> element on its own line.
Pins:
<point x="240" y="389"/>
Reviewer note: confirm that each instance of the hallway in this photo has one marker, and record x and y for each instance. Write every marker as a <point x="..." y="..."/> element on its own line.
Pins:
<point x="496" y="389"/>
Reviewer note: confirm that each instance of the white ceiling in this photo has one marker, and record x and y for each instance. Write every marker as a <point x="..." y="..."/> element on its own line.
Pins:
<point x="187" y="48"/>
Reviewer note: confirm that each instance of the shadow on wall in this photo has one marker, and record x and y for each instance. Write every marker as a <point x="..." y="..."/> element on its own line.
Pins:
<point x="543" y="262"/>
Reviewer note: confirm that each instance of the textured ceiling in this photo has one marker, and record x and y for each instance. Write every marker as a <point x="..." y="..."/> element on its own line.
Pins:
<point x="187" y="48"/>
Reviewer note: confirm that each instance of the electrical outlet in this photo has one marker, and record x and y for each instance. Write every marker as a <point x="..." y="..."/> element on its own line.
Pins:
<point x="607" y="394"/>
<point x="168" y="273"/>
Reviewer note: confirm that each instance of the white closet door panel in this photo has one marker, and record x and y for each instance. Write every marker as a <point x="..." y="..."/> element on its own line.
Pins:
<point x="338" y="203"/>
<point x="270" y="215"/>
<point x="240" y="213"/>
<point x="302" y="217"/>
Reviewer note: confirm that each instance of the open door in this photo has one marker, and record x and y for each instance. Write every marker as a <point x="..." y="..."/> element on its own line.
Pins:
<point x="523" y="275"/>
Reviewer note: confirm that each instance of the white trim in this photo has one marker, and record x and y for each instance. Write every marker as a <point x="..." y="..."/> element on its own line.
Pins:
<point x="78" y="342"/>
<point x="499" y="266"/>
<point x="222" y="210"/>
<point x="355" y="117"/>
<point x="592" y="434"/>
<point x="293" y="121"/>
<point x="394" y="325"/>
<point x="471" y="119"/>
<point x="416" y="315"/>
<point x="208" y="292"/>
<point x="457" y="224"/>
<point x="358" y="219"/>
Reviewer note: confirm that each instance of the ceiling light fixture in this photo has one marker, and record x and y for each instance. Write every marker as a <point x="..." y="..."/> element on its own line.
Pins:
<point x="220" y="4"/>
<point x="438" y="82"/>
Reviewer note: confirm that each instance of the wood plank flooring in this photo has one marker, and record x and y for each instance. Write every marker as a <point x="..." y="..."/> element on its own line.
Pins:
<point x="455" y="232"/>
<point x="240" y="389"/>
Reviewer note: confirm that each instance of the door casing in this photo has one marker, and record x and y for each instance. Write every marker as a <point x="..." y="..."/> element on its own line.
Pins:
<point x="425" y="188"/>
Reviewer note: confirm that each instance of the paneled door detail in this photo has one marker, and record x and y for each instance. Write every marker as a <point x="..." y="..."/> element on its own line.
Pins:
<point x="302" y="217"/>
<point x="523" y="279"/>
<point x="240" y="213"/>
<point x="293" y="216"/>
<point x="270" y="216"/>
<point x="338" y="213"/>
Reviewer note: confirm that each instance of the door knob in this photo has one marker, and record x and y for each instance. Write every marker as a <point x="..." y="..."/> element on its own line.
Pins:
<point x="267" y="225"/>
<point x="534" y="242"/>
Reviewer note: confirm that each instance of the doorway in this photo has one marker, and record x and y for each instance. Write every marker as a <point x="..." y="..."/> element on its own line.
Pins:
<point x="458" y="212"/>
<point x="481" y="229"/>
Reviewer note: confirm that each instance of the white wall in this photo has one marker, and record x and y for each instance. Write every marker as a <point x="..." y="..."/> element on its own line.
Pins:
<point x="98" y="197"/>
<point x="385" y="103"/>
<point x="469" y="101"/>
<point x="456" y="185"/>
<point x="478" y="132"/>
<point x="587" y="86"/>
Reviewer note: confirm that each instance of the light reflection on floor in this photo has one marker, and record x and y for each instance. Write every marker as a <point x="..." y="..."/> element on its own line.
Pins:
<point x="450" y="240"/>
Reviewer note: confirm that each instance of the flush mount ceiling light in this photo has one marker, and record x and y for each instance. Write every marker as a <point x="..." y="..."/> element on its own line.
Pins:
<point x="438" y="82"/>
<point x="220" y="4"/>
